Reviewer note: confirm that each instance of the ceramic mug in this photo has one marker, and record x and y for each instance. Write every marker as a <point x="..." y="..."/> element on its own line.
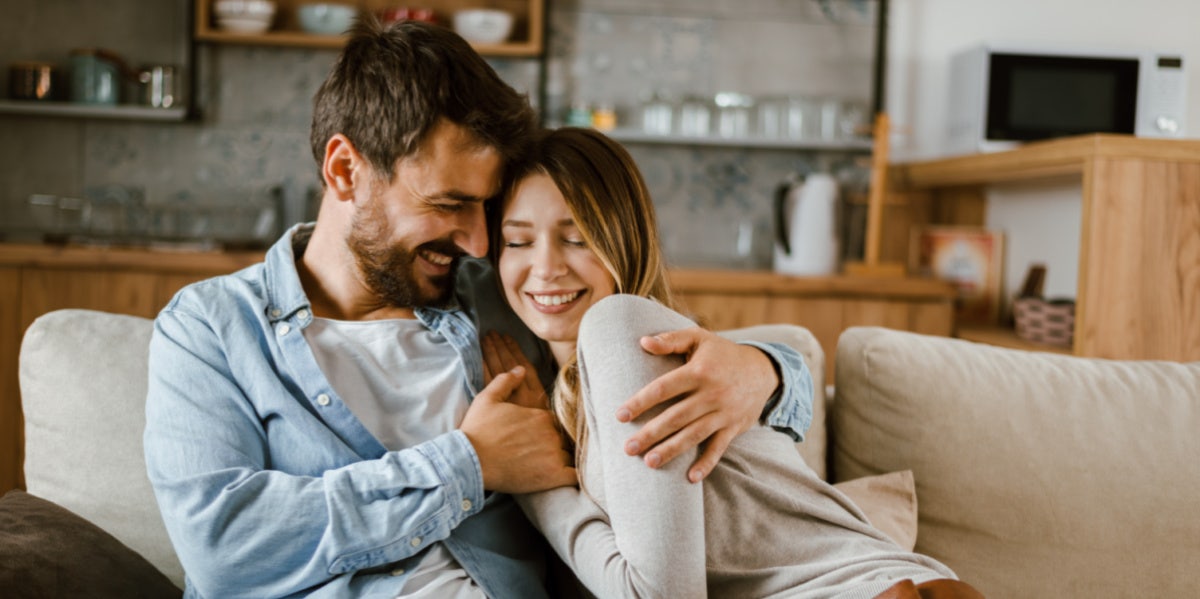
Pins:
<point x="95" y="76"/>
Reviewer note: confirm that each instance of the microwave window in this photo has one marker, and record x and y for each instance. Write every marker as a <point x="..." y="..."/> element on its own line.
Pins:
<point x="1039" y="97"/>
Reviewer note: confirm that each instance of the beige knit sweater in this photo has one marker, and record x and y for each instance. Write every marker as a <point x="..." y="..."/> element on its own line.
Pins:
<point x="761" y="525"/>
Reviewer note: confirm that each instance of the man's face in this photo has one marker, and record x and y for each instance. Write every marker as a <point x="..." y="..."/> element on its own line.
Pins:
<point x="407" y="234"/>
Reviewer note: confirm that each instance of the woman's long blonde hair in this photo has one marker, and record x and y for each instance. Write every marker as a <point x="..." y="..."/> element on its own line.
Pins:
<point x="612" y="208"/>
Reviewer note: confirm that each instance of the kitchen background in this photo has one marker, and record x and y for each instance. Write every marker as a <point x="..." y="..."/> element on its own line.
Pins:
<point x="255" y="105"/>
<point x="714" y="201"/>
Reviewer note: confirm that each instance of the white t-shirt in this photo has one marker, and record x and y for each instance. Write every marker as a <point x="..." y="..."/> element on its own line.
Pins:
<point x="407" y="385"/>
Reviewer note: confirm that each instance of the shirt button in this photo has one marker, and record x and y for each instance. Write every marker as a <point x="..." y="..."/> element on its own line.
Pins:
<point x="466" y="505"/>
<point x="275" y="312"/>
<point x="283" y="329"/>
<point x="323" y="399"/>
<point x="415" y="541"/>
<point x="302" y="314"/>
<point x="398" y="572"/>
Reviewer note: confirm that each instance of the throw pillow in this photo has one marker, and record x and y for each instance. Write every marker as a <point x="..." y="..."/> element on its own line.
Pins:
<point x="49" y="551"/>
<point x="890" y="503"/>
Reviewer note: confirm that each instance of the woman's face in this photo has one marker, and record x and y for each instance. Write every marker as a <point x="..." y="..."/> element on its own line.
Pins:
<point x="550" y="276"/>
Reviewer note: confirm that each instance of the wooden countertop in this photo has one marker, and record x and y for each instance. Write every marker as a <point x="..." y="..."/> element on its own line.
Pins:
<point x="770" y="283"/>
<point x="1038" y="160"/>
<point x="118" y="258"/>
<point x="682" y="280"/>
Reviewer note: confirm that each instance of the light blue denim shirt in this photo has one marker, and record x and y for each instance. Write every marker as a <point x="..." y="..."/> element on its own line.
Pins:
<point x="269" y="486"/>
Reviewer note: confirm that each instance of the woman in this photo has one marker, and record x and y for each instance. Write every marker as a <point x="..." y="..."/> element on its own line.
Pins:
<point x="576" y="247"/>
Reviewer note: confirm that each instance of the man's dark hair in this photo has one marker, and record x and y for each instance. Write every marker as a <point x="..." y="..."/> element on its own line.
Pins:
<point x="392" y="83"/>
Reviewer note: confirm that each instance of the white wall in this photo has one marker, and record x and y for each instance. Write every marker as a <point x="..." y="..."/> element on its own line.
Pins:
<point x="1041" y="222"/>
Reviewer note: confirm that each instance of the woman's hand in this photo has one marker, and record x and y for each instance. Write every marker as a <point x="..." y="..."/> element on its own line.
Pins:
<point x="723" y="388"/>
<point x="501" y="354"/>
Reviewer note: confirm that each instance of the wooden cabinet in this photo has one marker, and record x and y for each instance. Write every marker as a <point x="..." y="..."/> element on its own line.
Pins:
<point x="1138" y="292"/>
<point x="37" y="279"/>
<point x="824" y="305"/>
<point x="525" y="41"/>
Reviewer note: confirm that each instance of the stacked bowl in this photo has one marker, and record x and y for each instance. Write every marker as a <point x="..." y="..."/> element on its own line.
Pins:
<point x="244" y="16"/>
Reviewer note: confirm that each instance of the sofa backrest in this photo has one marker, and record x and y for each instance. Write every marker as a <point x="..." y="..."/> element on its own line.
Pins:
<point x="83" y="390"/>
<point x="1037" y="474"/>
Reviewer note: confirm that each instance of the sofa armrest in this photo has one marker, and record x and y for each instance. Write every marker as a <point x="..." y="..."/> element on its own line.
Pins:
<point x="83" y="378"/>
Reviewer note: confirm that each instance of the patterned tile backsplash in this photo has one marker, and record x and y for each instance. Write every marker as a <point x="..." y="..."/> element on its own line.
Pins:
<point x="714" y="203"/>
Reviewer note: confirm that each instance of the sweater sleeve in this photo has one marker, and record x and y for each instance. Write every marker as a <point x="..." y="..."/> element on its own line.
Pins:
<point x="648" y="540"/>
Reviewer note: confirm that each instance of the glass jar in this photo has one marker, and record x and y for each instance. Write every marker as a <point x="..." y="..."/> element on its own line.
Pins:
<point x="657" y="114"/>
<point x="695" y="117"/>
<point x="733" y="114"/>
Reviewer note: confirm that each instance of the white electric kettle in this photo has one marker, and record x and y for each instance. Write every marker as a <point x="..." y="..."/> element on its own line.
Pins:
<point x="806" y="226"/>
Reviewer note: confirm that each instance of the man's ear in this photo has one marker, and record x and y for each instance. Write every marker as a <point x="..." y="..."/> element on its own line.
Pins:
<point x="342" y="160"/>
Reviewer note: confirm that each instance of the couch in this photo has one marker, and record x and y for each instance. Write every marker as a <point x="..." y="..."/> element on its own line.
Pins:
<point x="1037" y="475"/>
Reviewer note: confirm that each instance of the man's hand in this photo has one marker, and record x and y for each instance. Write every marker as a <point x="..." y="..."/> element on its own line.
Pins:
<point x="519" y="448"/>
<point x="723" y="388"/>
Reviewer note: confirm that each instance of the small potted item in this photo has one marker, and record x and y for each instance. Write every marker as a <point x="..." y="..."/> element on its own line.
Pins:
<point x="1047" y="322"/>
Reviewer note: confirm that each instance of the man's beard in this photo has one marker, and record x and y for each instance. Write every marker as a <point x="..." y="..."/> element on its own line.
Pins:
<point x="388" y="270"/>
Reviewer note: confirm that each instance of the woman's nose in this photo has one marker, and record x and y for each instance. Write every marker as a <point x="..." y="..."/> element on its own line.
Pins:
<point x="548" y="261"/>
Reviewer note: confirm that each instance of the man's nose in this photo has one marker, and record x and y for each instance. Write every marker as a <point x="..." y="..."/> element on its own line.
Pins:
<point x="473" y="235"/>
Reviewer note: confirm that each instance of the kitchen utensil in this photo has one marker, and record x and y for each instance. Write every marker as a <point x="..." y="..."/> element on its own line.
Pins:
<point x="326" y="18"/>
<point x="656" y="115"/>
<point x="695" y="116"/>
<point x="31" y="81"/>
<point x="244" y="16"/>
<point x="802" y="118"/>
<point x="771" y="117"/>
<point x="407" y="13"/>
<point x="805" y="226"/>
<point x="483" y="25"/>
<point x="733" y="114"/>
<point x="158" y="86"/>
<point x="96" y="76"/>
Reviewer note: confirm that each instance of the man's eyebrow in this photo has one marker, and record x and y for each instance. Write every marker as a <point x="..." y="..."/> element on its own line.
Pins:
<point x="458" y="196"/>
<point x="565" y="222"/>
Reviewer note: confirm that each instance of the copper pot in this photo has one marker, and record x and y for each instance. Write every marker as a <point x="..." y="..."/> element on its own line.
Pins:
<point x="31" y="81"/>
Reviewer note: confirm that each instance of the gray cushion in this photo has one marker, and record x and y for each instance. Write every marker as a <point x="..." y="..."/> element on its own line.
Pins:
<point x="47" y="551"/>
<point x="83" y="391"/>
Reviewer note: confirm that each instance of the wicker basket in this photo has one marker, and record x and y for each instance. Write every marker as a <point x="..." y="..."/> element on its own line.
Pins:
<point x="1045" y="322"/>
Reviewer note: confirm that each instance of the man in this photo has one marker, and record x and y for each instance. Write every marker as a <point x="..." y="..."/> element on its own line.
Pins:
<point x="316" y="424"/>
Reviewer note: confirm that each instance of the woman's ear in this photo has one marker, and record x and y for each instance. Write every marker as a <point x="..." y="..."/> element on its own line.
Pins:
<point x="341" y="162"/>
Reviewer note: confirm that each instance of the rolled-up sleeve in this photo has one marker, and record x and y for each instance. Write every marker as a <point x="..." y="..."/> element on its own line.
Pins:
<point x="792" y="410"/>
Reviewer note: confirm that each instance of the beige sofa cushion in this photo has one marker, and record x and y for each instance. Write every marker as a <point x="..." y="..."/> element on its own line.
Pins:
<point x="83" y="389"/>
<point x="1039" y="475"/>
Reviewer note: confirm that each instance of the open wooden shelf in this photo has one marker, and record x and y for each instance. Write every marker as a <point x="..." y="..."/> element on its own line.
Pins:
<point x="1138" y="266"/>
<point x="525" y="42"/>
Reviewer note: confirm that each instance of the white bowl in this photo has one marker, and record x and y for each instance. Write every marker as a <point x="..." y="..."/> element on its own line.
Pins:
<point x="326" y="18"/>
<point x="258" y="9"/>
<point x="483" y="25"/>
<point x="244" y="24"/>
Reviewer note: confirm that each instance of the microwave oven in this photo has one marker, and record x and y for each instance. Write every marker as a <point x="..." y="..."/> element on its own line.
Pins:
<point x="1002" y="96"/>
